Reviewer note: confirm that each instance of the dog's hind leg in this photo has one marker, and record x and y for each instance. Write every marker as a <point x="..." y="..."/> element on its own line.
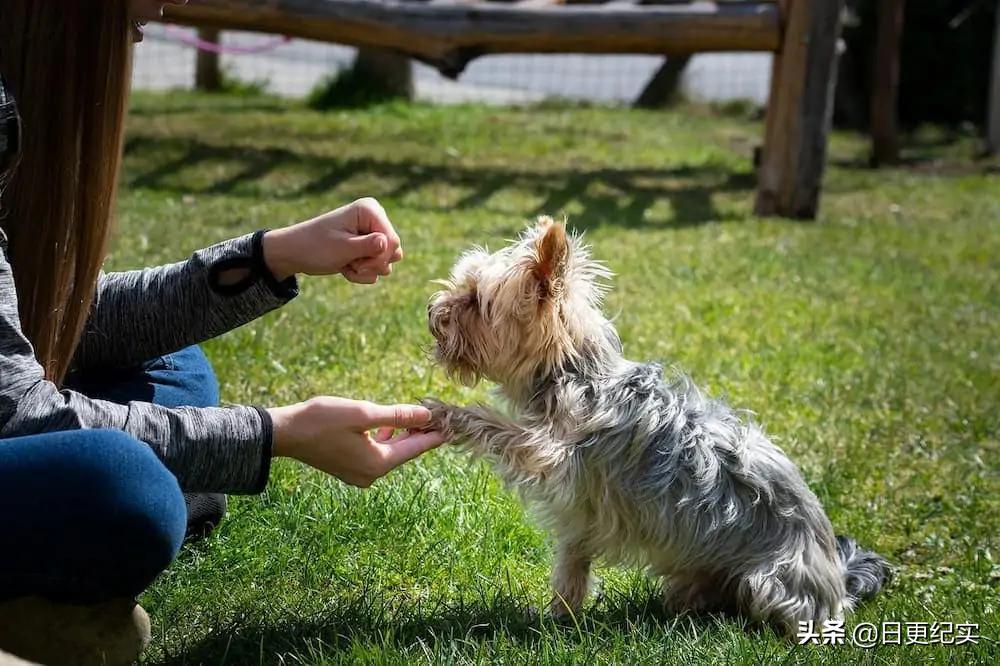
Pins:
<point x="765" y="597"/>
<point x="696" y="592"/>
<point x="570" y="577"/>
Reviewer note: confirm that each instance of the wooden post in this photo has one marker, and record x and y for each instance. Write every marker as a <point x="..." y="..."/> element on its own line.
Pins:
<point x="662" y="86"/>
<point x="773" y="91"/>
<point x="207" y="74"/>
<point x="800" y="110"/>
<point x="885" y="92"/>
<point x="993" y="121"/>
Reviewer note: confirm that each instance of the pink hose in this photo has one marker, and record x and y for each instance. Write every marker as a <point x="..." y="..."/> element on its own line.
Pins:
<point x="181" y="36"/>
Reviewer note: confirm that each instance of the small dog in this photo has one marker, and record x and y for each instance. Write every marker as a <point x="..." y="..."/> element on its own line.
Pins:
<point x="623" y="465"/>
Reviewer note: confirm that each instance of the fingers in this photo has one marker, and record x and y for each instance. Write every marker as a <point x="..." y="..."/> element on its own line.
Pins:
<point x="372" y="218"/>
<point x="376" y="265"/>
<point x="407" y="446"/>
<point x="379" y="221"/>
<point x="389" y="455"/>
<point x="394" y="250"/>
<point x="384" y="434"/>
<point x="397" y="416"/>
<point x="359" y="277"/>
<point x="367" y="246"/>
<point x="372" y="253"/>
<point x="369" y="215"/>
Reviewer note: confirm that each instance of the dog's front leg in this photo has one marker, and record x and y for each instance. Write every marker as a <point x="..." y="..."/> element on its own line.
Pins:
<point x="570" y="577"/>
<point x="522" y="454"/>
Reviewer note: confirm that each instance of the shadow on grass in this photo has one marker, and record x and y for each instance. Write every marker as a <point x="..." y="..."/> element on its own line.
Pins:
<point x="940" y="151"/>
<point x="924" y="163"/>
<point x="621" y="196"/>
<point x="376" y="625"/>
<point x="208" y="104"/>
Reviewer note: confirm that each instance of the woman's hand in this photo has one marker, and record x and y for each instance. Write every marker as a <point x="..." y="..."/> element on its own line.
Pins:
<point x="356" y="240"/>
<point x="333" y="435"/>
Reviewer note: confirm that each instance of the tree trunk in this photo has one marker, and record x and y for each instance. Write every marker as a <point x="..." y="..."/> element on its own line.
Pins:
<point x="384" y="73"/>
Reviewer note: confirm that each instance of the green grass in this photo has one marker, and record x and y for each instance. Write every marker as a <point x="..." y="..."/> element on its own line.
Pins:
<point x="866" y="342"/>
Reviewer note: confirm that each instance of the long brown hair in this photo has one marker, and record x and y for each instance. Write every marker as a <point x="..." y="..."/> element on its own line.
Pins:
<point x="68" y="65"/>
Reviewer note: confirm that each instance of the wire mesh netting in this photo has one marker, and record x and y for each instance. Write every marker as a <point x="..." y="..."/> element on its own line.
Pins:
<point x="166" y="60"/>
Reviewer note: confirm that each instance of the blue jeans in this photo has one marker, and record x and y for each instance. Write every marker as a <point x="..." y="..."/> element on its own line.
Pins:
<point x="90" y="515"/>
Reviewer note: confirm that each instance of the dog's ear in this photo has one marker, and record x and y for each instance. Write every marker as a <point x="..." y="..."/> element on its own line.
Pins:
<point x="553" y="251"/>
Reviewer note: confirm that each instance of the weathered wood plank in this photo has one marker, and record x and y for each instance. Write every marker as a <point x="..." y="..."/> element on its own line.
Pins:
<point x="800" y="111"/>
<point x="449" y="36"/>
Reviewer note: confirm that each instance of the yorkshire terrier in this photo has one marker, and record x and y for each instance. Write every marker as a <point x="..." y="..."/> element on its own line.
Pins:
<point x="623" y="465"/>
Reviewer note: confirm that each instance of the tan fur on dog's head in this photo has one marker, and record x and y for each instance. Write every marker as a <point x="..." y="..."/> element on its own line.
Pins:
<point x="513" y="314"/>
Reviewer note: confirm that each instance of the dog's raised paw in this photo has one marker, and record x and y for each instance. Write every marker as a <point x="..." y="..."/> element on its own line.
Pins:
<point x="439" y="415"/>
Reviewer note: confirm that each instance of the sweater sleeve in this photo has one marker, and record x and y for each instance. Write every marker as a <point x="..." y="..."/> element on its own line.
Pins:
<point x="138" y="315"/>
<point x="217" y="449"/>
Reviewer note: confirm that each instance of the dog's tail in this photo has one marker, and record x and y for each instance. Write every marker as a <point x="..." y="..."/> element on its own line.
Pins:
<point x="865" y="573"/>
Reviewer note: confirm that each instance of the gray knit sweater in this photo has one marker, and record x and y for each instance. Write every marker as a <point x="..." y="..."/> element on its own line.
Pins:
<point x="139" y="315"/>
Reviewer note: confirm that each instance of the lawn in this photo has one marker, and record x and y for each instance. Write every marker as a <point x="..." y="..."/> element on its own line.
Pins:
<point x="867" y="343"/>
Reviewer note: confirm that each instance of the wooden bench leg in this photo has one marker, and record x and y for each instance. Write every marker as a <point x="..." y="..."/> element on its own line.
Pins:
<point x="800" y="110"/>
<point x="993" y="118"/>
<point x="885" y="95"/>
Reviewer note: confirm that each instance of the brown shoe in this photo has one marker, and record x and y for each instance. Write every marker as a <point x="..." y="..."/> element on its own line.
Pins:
<point x="108" y="634"/>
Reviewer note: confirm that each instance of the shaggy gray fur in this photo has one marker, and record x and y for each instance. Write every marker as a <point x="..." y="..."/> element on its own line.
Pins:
<point x="625" y="465"/>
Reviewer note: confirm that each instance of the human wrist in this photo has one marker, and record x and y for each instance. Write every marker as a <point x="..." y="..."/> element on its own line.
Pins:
<point x="279" y="252"/>
<point x="284" y="430"/>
